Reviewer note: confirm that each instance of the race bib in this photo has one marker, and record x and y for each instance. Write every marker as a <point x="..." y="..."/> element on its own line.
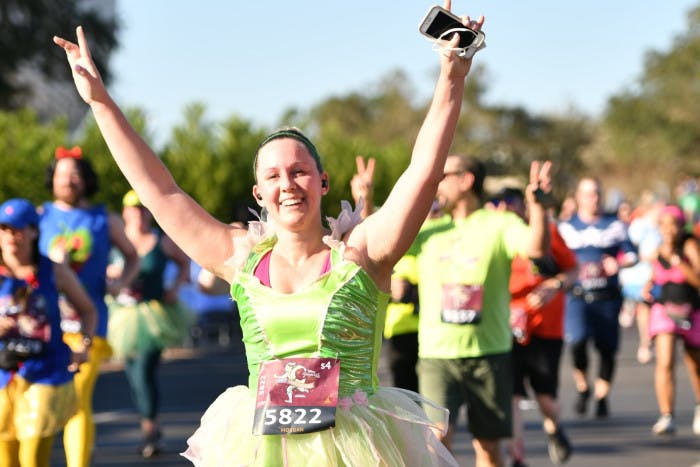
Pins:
<point x="592" y="275"/>
<point x="26" y="325"/>
<point x="461" y="303"/>
<point x="296" y="395"/>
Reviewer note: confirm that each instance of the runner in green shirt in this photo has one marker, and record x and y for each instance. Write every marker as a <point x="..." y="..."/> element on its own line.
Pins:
<point x="463" y="274"/>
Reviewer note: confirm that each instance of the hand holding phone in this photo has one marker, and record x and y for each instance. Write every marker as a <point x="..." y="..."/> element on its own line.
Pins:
<point x="439" y="24"/>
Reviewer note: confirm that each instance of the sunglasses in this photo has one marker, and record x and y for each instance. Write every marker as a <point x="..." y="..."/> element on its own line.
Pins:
<point x="456" y="172"/>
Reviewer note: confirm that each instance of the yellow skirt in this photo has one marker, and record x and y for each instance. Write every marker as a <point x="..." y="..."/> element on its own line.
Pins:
<point x="31" y="410"/>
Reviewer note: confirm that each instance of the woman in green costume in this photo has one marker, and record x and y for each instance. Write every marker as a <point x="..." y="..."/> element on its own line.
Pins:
<point x="312" y="300"/>
<point x="146" y="317"/>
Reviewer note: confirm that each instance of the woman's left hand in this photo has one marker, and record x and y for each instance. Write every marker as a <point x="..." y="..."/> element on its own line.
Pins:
<point x="449" y="59"/>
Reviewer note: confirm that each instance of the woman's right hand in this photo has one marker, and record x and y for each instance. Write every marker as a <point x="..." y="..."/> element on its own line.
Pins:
<point x="87" y="78"/>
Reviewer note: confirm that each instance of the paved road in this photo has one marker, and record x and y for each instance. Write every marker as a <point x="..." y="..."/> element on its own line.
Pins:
<point x="192" y="379"/>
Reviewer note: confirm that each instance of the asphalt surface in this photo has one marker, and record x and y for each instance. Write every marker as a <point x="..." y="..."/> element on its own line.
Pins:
<point x="192" y="378"/>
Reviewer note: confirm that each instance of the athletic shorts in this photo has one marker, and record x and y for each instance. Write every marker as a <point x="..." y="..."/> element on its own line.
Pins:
<point x="484" y="384"/>
<point x="597" y="320"/>
<point x="538" y="364"/>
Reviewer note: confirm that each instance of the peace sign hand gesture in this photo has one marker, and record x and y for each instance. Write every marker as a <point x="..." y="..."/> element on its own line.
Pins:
<point x="539" y="190"/>
<point x="87" y="79"/>
<point x="362" y="184"/>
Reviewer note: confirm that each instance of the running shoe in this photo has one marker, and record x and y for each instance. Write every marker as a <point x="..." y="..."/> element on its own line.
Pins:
<point x="582" y="402"/>
<point x="558" y="447"/>
<point x="644" y="354"/>
<point x="602" y="410"/>
<point x="664" y="425"/>
<point x="696" y="420"/>
<point x="151" y="445"/>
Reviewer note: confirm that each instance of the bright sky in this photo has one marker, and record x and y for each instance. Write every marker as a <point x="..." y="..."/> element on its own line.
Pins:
<point x="258" y="58"/>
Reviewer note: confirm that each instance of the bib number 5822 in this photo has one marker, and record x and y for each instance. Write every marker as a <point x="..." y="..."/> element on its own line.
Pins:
<point x="296" y="395"/>
<point x="298" y="416"/>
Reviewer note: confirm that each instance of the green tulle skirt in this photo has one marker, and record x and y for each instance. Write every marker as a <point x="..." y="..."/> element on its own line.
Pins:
<point x="137" y="326"/>
<point x="386" y="429"/>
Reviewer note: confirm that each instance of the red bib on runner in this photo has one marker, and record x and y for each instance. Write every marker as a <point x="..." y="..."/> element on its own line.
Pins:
<point x="296" y="395"/>
<point x="461" y="303"/>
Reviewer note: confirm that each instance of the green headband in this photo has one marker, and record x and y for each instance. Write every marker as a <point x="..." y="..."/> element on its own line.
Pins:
<point x="294" y="134"/>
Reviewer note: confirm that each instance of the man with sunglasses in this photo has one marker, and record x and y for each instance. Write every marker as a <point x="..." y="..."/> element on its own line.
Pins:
<point x="463" y="272"/>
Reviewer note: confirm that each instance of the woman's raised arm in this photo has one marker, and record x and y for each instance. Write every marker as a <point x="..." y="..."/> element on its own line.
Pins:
<point x="389" y="232"/>
<point x="201" y="237"/>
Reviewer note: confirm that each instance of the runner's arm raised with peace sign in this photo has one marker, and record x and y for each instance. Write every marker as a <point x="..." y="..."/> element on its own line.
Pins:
<point x="176" y="212"/>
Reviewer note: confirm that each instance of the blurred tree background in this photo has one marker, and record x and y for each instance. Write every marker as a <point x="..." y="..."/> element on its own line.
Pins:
<point x="647" y="138"/>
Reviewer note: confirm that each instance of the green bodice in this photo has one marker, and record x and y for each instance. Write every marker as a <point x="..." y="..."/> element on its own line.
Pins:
<point x="341" y="315"/>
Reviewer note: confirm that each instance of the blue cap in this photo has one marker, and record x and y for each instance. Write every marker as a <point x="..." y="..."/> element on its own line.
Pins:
<point x="18" y="213"/>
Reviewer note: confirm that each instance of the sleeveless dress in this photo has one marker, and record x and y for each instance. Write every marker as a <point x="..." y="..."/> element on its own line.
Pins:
<point x="675" y="290"/>
<point x="140" y="320"/>
<point x="341" y="316"/>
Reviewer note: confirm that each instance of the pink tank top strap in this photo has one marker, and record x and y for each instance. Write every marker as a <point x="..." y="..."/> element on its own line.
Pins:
<point x="326" y="265"/>
<point x="262" y="270"/>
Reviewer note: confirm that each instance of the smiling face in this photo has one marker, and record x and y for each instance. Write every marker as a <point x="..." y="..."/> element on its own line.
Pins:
<point x="289" y="184"/>
<point x="68" y="185"/>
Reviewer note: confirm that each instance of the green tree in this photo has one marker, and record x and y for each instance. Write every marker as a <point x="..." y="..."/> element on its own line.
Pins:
<point x="654" y="127"/>
<point x="214" y="162"/>
<point x="508" y="138"/>
<point x="112" y="184"/>
<point x="26" y="148"/>
<point x="381" y="123"/>
<point x="26" y="28"/>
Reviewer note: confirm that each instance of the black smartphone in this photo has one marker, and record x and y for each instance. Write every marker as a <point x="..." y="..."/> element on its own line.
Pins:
<point x="438" y="20"/>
